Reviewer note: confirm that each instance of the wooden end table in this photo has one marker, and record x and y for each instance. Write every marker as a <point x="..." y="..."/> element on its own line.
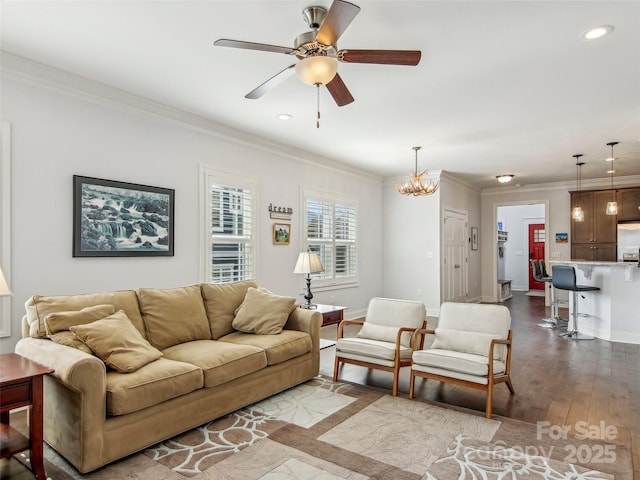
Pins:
<point x="331" y="314"/>
<point x="21" y="386"/>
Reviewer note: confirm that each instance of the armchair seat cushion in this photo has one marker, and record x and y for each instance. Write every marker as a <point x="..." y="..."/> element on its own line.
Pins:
<point x="375" y="349"/>
<point x="452" y="361"/>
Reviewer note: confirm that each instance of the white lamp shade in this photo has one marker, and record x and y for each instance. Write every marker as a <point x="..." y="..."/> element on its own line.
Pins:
<point x="313" y="70"/>
<point x="612" y="208"/>
<point x="308" y="262"/>
<point x="4" y="288"/>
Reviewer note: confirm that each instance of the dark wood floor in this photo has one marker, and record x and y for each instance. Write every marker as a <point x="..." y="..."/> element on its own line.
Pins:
<point x="557" y="380"/>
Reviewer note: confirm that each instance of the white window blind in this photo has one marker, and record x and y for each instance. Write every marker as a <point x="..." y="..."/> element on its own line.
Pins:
<point x="331" y="232"/>
<point x="230" y="241"/>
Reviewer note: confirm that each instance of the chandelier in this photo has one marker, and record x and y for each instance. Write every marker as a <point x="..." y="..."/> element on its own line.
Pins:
<point x="414" y="186"/>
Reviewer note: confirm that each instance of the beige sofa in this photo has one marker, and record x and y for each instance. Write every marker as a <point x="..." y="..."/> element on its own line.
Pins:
<point x="200" y="364"/>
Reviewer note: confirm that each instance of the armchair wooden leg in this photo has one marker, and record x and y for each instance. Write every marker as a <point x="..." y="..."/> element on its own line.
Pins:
<point x="510" y="386"/>
<point x="489" y="401"/>
<point x="335" y="369"/>
<point x="396" y="376"/>
<point x="412" y="381"/>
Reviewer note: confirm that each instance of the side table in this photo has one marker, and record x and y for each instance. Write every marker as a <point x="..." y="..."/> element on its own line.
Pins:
<point x="21" y="386"/>
<point x="331" y="315"/>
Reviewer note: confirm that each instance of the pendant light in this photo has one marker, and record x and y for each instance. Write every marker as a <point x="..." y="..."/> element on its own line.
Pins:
<point x="577" y="214"/>
<point x="612" y="207"/>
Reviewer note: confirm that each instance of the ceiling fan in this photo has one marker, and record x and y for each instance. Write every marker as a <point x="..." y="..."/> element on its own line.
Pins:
<point x="319" y="55"/>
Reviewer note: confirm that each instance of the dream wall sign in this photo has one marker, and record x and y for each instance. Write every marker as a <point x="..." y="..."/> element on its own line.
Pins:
<point x="119" y="219"/>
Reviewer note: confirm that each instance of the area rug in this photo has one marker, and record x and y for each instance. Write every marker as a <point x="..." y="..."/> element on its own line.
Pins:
<point x="336" y="430"/>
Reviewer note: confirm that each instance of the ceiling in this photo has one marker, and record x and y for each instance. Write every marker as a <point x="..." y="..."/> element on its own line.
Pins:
<point x="502" y="87"/>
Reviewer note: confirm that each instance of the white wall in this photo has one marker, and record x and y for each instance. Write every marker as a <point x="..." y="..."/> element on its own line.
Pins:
<point x="516" y="220"/>
<point x="58" y="131"/>
<point x="412" y="231"/>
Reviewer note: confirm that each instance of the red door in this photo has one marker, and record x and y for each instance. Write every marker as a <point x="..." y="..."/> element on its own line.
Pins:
<point x="537" y="235"/>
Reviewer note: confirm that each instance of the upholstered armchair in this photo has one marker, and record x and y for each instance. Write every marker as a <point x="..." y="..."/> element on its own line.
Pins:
<point x="471" y="347"/>
<point x="384" y="339"/>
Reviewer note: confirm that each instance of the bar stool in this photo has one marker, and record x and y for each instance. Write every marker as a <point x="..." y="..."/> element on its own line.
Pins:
<point x="541" y="275"/>
<point x="564" y="278"/>
<point x="555" y="301"/>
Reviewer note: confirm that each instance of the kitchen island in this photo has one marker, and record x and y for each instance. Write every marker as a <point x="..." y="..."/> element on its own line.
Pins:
<point x="614" y="311"/>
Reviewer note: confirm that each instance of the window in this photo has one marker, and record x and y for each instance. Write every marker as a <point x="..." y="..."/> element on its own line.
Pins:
<point x="331" y="232"/>
<point x="229" y="234"/>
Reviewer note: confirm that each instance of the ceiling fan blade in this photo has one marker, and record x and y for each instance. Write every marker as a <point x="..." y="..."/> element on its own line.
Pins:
<point x="225" y="42"/>
<point x="339" y="91"/>
<point x="386" y="57"/>
<point x="339" y="17"/>
<point x="274" y="81"/>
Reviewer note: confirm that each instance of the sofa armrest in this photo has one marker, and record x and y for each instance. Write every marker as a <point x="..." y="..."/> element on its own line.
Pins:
<point x="75" y="400"/>
<point x="308" y="321"/>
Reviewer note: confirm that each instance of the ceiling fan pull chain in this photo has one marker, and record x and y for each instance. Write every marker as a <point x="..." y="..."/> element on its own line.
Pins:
<point x="318" y="104"/>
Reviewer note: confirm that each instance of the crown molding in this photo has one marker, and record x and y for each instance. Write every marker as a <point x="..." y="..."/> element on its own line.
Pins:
<point x="61" y="81"/>
<point x="597" y="183"/>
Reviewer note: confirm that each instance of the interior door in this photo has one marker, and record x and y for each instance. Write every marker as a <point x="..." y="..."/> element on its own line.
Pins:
<point x="537" y="237"/>
<point x="455" y="247"/>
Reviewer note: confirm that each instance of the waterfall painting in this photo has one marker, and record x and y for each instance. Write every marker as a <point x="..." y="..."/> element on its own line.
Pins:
<point x="119" y="219"/>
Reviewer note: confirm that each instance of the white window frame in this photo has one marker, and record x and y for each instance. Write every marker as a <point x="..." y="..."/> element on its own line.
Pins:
<point x="5" y="226"/>
<point x="321" y="281"/>
<point x="209" y="176"/>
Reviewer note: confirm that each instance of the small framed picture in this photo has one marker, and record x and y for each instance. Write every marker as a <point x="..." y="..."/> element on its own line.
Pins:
<point x="281" y="233"/>
<point x="474" y="238"/>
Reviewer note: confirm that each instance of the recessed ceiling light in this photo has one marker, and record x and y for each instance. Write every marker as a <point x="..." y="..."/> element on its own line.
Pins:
<point x="284" y="116"/>
<point x="597" y="32"/>
<point x="505" y="178"/>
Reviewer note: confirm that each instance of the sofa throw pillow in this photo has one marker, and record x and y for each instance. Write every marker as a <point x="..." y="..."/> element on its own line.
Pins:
<point x="173" y="315"/>
<point x="384" y="333"/>
<point x="262" y="312"/>
<point x="117" y="343"/>
<point x="221" y="302"/>
<point x="57" y="324"/>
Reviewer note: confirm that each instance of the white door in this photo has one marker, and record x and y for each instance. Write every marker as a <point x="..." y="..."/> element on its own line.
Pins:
<point x="455" y="247"/>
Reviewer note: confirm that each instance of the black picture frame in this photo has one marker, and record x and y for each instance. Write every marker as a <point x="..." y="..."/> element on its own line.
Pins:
<point x="121" y="219"/>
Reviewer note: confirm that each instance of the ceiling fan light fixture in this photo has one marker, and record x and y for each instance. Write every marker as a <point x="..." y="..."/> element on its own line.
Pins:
<point x="317" y="70"/>
<point x="505" y="178"/>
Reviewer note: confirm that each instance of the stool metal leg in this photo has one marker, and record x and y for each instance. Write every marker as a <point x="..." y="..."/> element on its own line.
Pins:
<point x="574" y="333"/>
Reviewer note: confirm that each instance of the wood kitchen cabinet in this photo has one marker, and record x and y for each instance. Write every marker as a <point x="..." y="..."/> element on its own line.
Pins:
<point x="596" y="237"/>
<point x="628" y="204"/>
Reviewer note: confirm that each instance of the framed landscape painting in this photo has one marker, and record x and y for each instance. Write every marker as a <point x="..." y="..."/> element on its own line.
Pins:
<point x="281" y="233"/>
<point x="120" y="219"/>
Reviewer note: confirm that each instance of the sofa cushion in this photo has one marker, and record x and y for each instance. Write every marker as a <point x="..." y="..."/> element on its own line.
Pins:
<point x="38" y="307"/>
<point x="57" y="324"/>
<point x="221" y="303"/>
<point x="220" y="362"/>
<point x="172" y="316"/>
<point x="117" y="343"/>
<point x="154" y="383"/>
<point x="262" y="312"/>
<point x="279" y="348"/>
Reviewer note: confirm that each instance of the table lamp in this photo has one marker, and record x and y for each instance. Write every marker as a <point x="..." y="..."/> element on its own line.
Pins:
<point x="308" y="262"/>
<point x="4" y="288"/>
